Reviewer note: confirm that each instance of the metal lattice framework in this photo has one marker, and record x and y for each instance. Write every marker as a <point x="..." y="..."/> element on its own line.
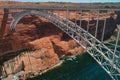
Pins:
<point x="106" y="57"/>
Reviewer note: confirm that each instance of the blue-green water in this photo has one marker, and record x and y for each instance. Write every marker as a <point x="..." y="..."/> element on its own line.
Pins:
<point x="82" y="67"/>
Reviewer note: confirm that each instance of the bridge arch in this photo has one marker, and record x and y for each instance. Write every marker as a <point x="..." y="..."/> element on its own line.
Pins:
<point x="22" y="14"/>
<point x="78" y="34"/>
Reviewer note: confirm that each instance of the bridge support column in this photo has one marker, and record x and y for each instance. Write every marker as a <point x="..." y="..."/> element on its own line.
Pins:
<point x="4" y="21"/>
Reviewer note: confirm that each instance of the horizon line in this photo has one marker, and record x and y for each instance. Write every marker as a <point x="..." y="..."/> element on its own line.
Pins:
<point x="61" y="1"/>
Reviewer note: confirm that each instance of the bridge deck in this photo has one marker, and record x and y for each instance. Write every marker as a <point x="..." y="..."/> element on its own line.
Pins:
<point x="79" y="30"/>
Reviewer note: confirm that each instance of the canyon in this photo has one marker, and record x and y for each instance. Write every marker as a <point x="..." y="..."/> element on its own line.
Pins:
<point x="38" y="40"/>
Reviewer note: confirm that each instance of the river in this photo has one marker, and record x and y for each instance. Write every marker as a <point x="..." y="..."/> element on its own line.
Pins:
<point x="80" y="67"/>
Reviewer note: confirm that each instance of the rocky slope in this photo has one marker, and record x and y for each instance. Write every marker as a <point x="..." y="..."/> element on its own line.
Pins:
<point x="47" y="42"/>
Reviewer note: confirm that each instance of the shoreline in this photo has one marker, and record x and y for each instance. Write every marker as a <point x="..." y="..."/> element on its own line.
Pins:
<point x="32" y="74"/>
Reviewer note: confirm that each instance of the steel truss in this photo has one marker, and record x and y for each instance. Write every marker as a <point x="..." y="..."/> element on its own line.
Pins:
<point x="106" y="57"/>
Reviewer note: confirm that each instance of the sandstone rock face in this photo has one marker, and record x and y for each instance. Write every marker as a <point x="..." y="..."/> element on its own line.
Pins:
<point x="67" y="48"/>
<point x="43" y="57"/>
<point x="46" y="41"/>
<point x="75" y="51"/>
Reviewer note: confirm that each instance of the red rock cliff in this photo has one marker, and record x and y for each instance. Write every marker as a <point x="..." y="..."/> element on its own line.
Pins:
<point x="47" y="41"/>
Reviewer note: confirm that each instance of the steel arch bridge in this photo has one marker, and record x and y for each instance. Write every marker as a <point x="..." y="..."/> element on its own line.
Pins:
<point x="106" y="57"/>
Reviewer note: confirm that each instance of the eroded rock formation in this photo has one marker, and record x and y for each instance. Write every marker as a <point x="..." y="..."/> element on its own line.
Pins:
<point x="47" y="42"/>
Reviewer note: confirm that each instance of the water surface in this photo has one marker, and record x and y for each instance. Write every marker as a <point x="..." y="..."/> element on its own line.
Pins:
<point x="81" y="67"/>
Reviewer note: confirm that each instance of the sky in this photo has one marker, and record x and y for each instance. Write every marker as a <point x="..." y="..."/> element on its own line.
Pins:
<point x="75" y="1"/>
